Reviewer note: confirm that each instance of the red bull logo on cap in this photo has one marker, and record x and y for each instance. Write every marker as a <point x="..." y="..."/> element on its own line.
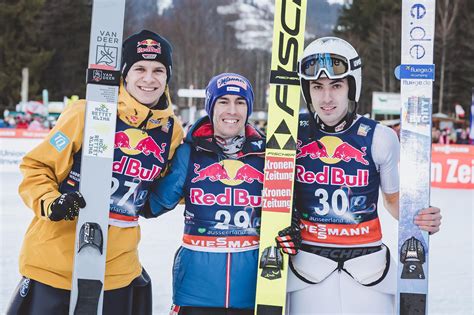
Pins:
<point x="148" y="46"/>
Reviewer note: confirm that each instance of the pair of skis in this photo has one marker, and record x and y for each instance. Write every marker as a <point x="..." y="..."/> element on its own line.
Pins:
<point x="417" y="75"/>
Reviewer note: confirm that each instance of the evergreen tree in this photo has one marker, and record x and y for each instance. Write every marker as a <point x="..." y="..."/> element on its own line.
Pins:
<point x="20" y="47"/>
<point x="65" y="29"/>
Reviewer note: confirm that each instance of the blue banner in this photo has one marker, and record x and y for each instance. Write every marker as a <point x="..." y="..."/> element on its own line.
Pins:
<point x="425" y="72"/>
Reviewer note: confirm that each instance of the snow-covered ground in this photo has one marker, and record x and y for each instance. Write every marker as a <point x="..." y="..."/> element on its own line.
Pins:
<point x="451" y="266"/>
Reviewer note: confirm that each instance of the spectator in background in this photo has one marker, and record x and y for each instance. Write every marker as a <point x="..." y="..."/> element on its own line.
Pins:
<point x="21" y="123"/>
<point x="463" y="137"/>
<point x="11" y="122"/>
<point x="443" y="137"/>
<point x="36" y="124"/>
<point x="435" y="134"/>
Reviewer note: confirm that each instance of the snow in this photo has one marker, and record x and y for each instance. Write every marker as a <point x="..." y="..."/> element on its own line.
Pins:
<point x="451" y="259"/>
<point x="254" y="26"/>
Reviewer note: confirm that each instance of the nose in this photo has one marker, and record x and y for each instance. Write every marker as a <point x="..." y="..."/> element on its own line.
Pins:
<point x="327" y="95"/>
<point x="148" y="76"/>
<point x="232" y="107"/>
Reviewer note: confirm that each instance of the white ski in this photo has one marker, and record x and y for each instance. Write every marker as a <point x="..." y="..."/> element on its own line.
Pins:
<point x="417" y="75"/>
<point x="103" y="79"/>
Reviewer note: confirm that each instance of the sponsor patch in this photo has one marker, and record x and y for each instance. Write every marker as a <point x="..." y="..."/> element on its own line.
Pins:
<point x="155" y="121"/>
<point x="233" y="89"/>
<point x="231" y="80"/>
<point x="258" y="143"/>
<point x="166" y="127"/>
<point x="25" y="287"/>
<point x="59" y="141"/>
<point x="304" y="123"/>
<point x="363" y="130"/>
<point x="149" y="56"/>
<point x="71" y="183"/>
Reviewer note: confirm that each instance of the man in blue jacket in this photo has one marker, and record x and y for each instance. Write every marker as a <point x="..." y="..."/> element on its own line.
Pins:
<point x="219" y="172"/>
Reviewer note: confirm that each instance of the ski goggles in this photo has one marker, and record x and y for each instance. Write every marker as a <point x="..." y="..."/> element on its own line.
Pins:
<point x="334" y="66"/>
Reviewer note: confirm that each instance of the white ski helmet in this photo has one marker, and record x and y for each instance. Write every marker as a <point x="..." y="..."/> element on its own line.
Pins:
<point x="335" y="58"/>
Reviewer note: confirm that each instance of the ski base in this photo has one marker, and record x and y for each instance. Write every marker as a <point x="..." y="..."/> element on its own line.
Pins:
<point x="269" y="309"/>
<point x="88" y="296"/>
<point x="412" y="303"/>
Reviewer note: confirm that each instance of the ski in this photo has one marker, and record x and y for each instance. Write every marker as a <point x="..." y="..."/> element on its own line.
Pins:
<point x="103" y="80"/>
<point x="417" y="75"/>
<point x="277" y="194"/>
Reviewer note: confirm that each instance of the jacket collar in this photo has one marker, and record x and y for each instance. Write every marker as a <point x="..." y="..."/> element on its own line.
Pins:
<point x="201" y="135"/>
<point x="138" y="115"/>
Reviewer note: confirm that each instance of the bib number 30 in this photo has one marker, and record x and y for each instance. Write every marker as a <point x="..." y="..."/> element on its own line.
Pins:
<point x="339" y="202"/>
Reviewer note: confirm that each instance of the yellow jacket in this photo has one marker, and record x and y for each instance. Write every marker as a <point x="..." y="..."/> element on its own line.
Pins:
<point x="48" y="247"/>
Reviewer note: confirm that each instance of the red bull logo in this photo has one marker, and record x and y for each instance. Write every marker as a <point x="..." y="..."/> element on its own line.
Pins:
<point x="134" y="141"/>
<point x="148" y="46"/>
<point x="213" y="172"/>
<point x="148" y="146"/>
<point x="332" y="150"/>
<point x="347" y="152"/>
<point x="333" y="176"/>
<point x="229" y="172"/>
<point x="249" y="174"/>
<point x="134" y="168"/>
<point x="230" y="196"/>
<point x="315" y="150"/>
<point x="122" y="140"/>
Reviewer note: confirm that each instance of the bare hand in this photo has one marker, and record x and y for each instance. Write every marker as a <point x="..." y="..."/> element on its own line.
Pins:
<point x="429" y="219"/>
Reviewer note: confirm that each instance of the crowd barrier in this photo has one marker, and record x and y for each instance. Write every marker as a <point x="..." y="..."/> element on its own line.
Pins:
<point x="452" y="166"/>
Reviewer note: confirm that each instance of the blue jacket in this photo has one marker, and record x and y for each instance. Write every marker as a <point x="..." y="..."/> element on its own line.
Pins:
<point x="216" y="265"/>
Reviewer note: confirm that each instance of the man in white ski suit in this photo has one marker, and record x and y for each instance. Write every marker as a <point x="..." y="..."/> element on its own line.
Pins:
<point x="342" y="160"/>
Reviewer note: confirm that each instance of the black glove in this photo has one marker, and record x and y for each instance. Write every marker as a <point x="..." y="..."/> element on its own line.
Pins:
<point x="66" y="207"/>
<point x="289" y="239"/>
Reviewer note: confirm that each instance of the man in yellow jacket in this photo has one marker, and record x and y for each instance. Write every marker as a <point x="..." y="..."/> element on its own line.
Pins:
<point x="147" y="135"/>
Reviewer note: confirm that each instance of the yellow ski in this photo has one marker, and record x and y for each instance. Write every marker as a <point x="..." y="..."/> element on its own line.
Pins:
<point x="283" y="108"/>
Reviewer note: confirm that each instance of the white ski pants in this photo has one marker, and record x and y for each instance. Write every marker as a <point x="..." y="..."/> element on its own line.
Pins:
<point x="337" y="292"/>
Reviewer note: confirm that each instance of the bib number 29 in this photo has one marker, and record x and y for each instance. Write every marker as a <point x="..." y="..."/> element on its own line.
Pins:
<point x="241" y="219"/>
